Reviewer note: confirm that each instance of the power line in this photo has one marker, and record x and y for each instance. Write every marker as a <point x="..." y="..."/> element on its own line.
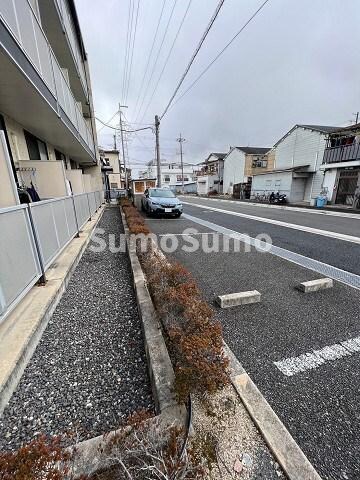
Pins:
<point x="220" y="53"/>
<point x="157" y="56"/>
<point x="197" y="49"/>
<point x="167" y="59"/>
<point x="127" y="45"/>
<point x="150" y="54"/>
<point x="132" y="51"/>
<point x="104" y="124"/>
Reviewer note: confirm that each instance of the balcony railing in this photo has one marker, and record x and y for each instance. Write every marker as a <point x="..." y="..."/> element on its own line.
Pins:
<point x="70" y="32"/>
<point x="25" y="27"/>
<point x="342" y="153"/>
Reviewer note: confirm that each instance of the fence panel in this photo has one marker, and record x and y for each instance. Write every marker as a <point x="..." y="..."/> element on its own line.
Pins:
<point x="53" y="222"/>
<point x="19" y="264"/>
<point x="82" y="208"/>
<point x="53" y="226"/>
<point x="92" y="202"/>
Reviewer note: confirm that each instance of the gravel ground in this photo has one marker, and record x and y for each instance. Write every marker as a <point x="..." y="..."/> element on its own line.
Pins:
<point x="89" y="370"/>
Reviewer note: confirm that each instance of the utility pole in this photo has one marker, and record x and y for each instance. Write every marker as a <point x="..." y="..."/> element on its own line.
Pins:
<point x="181" y="140"/>
<point x="357" y="117"/>
<point x="157" y="150"/>
<point x="115" y="146"/>
<point x="123" y="149"/>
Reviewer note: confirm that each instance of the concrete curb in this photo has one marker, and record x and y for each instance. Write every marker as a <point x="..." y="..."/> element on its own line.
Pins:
<point x="284" y="448"/>
<point x="160" y="367"/>
<point x="9" y="386"/>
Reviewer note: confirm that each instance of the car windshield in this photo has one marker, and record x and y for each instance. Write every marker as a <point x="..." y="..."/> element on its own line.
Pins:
<point x="158" y="192"/>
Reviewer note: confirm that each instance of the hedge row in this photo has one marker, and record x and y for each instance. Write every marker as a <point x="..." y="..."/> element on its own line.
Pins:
<point x="194" y="337"/>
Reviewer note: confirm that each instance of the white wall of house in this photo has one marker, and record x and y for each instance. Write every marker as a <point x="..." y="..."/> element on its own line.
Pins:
<point x="234" y="170"/>
<point x="76" y="179"/>
<point x="300" y="147"/>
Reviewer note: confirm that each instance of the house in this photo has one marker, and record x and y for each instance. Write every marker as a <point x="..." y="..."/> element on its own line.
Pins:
<point x="298" y="157"/>
<point x="210" y="175"/>
<point x="341" y="165"/>
<point x="171" y="172"/>
<point x="46" y="109"/>
<point x="114" y="170"/>
<point x="241" y="163"/>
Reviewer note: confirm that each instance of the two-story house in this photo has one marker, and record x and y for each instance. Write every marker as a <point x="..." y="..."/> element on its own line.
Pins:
<point x="114" y="169"/>
<point x="46" y="110"/>
<point x="298" y="157"/>
<point x="341" y="165"/>
<point x="241" y="163"/>
<point x="210" y="174"/>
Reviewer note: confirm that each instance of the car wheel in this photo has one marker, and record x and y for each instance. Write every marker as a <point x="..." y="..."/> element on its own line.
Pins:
<point x="177" y="215"/>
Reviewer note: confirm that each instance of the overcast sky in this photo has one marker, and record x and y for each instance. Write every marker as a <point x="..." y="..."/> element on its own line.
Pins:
<point x="296" y="62"/>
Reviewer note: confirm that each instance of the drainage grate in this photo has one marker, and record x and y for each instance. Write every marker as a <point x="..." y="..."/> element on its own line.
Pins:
<point x="323" y="268"/>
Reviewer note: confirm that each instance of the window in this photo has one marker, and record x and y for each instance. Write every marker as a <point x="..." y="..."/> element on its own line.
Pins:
<point x="113" y="185"/>
<point x="179" y="178"/>
<point x="259" y="162"/>
<point x="167" y="178"/>
<point x="36" y="148"/>
<point x="186" y="179"/>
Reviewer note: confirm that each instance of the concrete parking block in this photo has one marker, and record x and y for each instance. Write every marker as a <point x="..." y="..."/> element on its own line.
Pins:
<point x="315" y="285"/>
<point x="239" y="298"/>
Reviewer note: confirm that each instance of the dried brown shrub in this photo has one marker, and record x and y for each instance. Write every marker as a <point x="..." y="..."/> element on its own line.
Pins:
<point x="43" y="458"/>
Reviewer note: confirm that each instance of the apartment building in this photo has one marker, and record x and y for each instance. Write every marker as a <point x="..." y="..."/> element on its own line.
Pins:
<point x="46" y="110"/>
<point x="341" y="165"/>
<point x="171" y="173"/>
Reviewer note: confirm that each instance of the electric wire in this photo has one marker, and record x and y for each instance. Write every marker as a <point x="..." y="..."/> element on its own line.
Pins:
<point x="197" y="49"/>
<point x="132" y="52"/>
<point x="126" y="49"/>
<point x="150" y="54"/>
<point x="219" y="54"/>
<point x="167" y="60"/>
<point x="157" y="58"/>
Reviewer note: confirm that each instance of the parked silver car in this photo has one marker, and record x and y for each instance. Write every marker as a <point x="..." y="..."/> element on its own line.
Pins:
<point x="161" y="201"/>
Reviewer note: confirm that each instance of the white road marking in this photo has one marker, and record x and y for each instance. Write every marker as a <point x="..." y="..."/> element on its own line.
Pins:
<point x="316" y="358"/>
<point x="282" y="207"/>
<point x="302" y="228"/>
<point x="348" y="278"/>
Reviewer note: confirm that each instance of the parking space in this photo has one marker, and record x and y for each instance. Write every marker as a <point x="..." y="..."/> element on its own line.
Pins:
<point x="320" y="332"/>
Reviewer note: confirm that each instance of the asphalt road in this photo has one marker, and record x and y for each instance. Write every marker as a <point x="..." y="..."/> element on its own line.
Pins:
<point x="320" y="404"/>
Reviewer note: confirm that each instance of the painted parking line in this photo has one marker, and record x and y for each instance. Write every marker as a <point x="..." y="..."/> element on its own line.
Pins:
<point x="302" y="228"/>
<point x="316" y="358"/>
<point x="348" y="278"/>
<point x="344" y="214"/>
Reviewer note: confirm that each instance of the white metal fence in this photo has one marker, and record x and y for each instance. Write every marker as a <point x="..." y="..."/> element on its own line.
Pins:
<point x="32" y="236"/>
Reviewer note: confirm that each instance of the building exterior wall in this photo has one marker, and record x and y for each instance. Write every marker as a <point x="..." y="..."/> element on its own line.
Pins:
<point x="329" y="183"/>
<point x="234" y="170"/>
<point x="171" y="173"/>
<point x="8" y="194"/>
<point x="300" y="147"/>
<point x="76" y="179"/>
<point x="48" y="177"/>
<point x="272" y="182"/>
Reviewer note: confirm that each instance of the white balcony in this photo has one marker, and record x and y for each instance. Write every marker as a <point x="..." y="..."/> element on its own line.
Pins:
<point x="57" y="21"/>
<point x="33" y="88"/>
